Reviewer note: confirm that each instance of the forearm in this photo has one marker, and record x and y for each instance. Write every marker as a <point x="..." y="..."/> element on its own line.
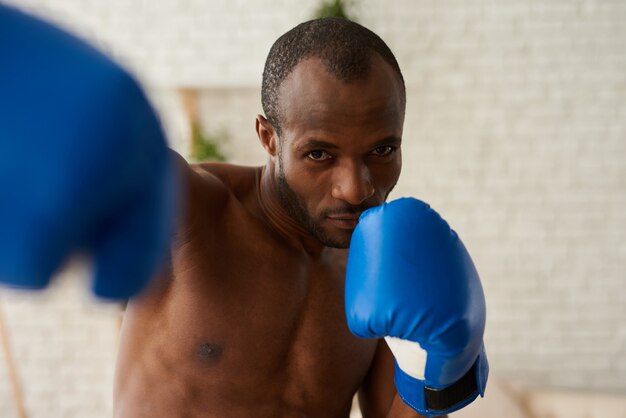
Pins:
<point x="400" y="410"/>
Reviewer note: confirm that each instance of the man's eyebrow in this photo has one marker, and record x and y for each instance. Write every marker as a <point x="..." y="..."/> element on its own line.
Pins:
<point x="390" y="140"/>
<point x="317" y="143"/>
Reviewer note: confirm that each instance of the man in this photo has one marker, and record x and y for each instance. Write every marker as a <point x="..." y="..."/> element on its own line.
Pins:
<point x="248" y="320"/>
<point x="247" y="317"/>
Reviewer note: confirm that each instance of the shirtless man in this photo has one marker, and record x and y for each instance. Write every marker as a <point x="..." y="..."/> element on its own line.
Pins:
<point x="247" y="318"/>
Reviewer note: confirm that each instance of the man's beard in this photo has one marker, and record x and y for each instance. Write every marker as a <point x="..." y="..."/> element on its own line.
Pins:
<point x="296" y="208"/>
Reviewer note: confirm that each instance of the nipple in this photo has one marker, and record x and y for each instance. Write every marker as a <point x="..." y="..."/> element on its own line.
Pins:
<point x="209" y="352"/>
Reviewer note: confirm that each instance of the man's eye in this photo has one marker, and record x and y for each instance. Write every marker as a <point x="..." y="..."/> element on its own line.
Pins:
<point x="318" y="155"/>
<point x="383" y="151"/>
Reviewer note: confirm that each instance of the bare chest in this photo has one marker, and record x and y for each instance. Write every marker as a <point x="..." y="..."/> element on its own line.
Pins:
<point x="253" y="322"/>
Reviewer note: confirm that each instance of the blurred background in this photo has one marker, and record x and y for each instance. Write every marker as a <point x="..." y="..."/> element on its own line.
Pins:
<point x="515" y="132"/>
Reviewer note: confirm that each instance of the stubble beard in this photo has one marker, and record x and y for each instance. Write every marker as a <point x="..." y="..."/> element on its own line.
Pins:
<point x="295" y="207"/>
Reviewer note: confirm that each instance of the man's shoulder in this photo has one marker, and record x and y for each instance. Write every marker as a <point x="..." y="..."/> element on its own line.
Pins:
<point x="239" y="181"/>
<point x="219" y="189"/>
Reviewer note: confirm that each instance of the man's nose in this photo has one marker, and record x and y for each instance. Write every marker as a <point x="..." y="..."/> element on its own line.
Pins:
<point x="353" y="183"/>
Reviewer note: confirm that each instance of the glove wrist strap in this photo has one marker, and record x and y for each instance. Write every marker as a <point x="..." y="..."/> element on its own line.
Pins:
<point x="430" y="401"/>
<point x="444" y="399"/>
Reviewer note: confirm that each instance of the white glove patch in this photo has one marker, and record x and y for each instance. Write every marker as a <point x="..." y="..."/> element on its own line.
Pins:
<point x="411" y="357"/>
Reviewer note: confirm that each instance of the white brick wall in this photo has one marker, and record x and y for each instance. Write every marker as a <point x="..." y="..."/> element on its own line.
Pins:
<point x="517" y="116"/>
<point x="182" y="42"/>
<point x="515" y="131"/>
<point x="64" y="346"/>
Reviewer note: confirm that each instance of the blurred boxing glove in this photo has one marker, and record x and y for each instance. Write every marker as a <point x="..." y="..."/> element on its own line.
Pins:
<point x="411" y="280"/>
<point x="83" y="163"/>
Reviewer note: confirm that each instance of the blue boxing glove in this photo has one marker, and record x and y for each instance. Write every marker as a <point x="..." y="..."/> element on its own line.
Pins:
<point x="83" y="163"/>
<point x="410" y="280"/>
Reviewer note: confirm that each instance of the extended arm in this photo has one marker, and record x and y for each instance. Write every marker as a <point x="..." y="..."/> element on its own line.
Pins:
<point x="84" y="165"/>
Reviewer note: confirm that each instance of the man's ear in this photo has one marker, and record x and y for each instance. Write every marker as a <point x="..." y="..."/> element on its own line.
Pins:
<point x="267" y="135"/>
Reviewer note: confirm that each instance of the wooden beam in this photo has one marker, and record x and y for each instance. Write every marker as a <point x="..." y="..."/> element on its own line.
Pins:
<point x="16" y="387"/>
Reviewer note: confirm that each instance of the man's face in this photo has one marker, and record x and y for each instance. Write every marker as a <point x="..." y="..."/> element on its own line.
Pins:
<point x="339" y="151"/>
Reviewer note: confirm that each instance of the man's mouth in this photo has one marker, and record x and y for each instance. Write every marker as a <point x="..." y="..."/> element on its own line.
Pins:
<point x="345" y="221"/>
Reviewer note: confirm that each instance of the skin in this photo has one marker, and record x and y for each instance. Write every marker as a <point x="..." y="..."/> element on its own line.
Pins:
<point x="247" y="318"/>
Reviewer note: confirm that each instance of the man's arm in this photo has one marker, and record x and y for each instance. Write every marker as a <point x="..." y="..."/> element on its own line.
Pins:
<point x="378" y="397"/>
<point x="98" y="177"/>
<point x="377" y="391"/>
<point x="203" y="197"/>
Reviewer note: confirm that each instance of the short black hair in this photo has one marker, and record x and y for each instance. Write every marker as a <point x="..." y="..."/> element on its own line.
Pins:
<point x="344" y="46"/>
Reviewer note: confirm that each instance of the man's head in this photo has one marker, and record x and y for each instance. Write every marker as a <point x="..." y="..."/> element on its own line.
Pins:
<point x="334" y="99"/>
<point x="345" y="48"/>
